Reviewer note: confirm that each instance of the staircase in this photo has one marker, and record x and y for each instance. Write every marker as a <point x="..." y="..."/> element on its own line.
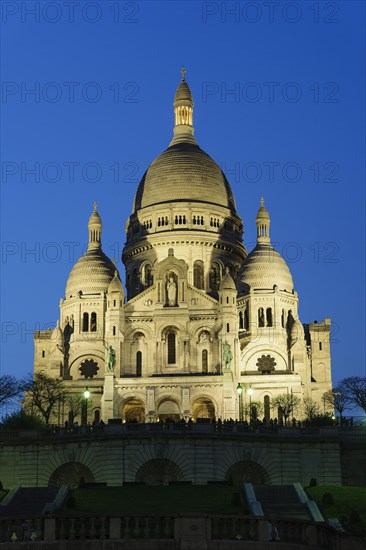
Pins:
<point x="281" y="501"/>
<point x="32" y="501"/>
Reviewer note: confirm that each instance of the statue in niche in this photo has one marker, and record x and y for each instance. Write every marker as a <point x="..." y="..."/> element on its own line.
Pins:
<point x="110" y="358"/>
<point x="227" y="354"/>
<point x="171" y="288"/>
<point x="204" y="337"/>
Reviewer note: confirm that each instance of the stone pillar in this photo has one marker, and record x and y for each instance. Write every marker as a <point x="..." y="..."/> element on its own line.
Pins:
<point x="229" y="409"/>
<point x="150" y="410"/>
<point x="186" y="412"/>
<point x="108" y="397"/>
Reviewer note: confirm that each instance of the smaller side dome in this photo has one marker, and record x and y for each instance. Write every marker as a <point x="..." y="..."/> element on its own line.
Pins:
<point x="227" y="282"/>
<point x="116" y="285"/>
<point x="264" y="267"/>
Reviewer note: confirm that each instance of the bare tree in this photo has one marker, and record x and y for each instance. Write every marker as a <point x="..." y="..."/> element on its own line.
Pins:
<point x="337" y="399"/>
<point x="10" y="387"/>
<point x="253" y="410"/>
<point x="44" y="393"/>
<point x="287" y="403"/>
<point x="310" y="408"/>
<point x="354" y="387"/>
<point x="74" y="405"/>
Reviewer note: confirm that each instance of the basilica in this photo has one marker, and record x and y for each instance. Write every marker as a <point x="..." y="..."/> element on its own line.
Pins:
<point x="203" y="328"/>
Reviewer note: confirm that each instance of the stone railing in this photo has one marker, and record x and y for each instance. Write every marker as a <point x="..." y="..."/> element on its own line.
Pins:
<point x="191" y="528"/>
<point x="234" y="429"/>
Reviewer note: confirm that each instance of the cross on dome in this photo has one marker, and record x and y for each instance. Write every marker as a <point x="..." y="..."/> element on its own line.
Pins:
<point x="183" y="71"/>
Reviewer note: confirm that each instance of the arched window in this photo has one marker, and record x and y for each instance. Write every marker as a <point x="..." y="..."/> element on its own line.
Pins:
<point x="241" y="320"/>
<point x="198" y="274"/>
<point x="93" y="322"/>
<point x="283" y="318"/>
<point x="139" y="363"/>
<point x="97" y="416"/>
<point x="134" y="283"/>
<point x="260" y="317"/>
<point x="114" y="331"/>
<point x="85" y="322"/>
<point x="204" y="360"/>
<point x="269" y="316"/>
<point x="171" y="349"/>
<point x="246" y="319"/>
<point x="215" y="276"/>
<point x="148" y="277"/>
<point x="267" y="408"/>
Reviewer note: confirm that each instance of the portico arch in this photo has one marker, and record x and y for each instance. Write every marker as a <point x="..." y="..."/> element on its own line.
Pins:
<point x="133" y="410"/>
<point x="203" y="407"/>
<point x="168" y="409"/>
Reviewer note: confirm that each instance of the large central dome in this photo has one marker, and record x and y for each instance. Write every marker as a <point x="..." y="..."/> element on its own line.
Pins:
<point x="184" y="172"/>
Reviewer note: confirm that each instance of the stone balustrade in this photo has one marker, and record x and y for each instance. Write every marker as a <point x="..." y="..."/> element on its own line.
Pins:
<point x="171" y="532"/>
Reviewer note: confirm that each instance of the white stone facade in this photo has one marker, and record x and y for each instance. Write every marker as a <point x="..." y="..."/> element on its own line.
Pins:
<point x="192" y="292"/>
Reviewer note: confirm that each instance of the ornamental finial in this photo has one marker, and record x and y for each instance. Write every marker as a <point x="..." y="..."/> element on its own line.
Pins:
<point x="95" y="206"/>
<point x="183" y="71"/>
<point x="262" y="201"/>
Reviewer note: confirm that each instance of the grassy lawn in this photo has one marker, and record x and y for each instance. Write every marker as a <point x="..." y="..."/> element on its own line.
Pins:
<point x="346" y="501"/>
<point x="170" y="499"/>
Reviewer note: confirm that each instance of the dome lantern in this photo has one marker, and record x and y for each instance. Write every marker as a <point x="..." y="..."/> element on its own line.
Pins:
<point x="95" y="230"/>
<point x="263" y="221"/>
<point x="183" y="112"/>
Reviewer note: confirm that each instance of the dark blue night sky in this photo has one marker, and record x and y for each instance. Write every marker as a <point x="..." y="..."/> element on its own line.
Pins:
<point x="279" y="104"/>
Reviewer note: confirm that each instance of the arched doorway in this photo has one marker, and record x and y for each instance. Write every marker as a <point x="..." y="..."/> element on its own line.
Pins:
<point x="159" y="471"/>
<point x="247" y="471"/>
<point x="168" y="409"/>
<point x="133" y="410"/>
<point x="203" y="408"/>
<point x="71" y="473"/>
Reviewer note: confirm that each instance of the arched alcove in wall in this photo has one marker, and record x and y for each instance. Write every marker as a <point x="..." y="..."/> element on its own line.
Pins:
<point x="71" y="474"/>
<point x="133" y="410"/>
<point x="168" y="409"/>
<point x="203" y="407"/>
<point x="159" y="471"/>
<point x="247" y="471"/>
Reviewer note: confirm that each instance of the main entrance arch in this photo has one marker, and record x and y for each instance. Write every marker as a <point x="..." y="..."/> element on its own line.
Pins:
<point x="133" y="410"/>
<point x="203" y="407"/>
<point x="168" y="409"/>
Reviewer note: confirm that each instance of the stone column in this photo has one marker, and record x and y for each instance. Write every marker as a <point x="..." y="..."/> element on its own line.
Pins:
<point x="108" y="397"/>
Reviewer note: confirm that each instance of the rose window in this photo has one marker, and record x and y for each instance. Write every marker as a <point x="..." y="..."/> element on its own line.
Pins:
<point x="266" y="364"/>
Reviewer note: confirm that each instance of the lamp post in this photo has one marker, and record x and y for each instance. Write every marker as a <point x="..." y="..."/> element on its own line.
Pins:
<point x="86" y="397"/>
<point x="239" y="389"/>
<point x="250" y="393"/>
